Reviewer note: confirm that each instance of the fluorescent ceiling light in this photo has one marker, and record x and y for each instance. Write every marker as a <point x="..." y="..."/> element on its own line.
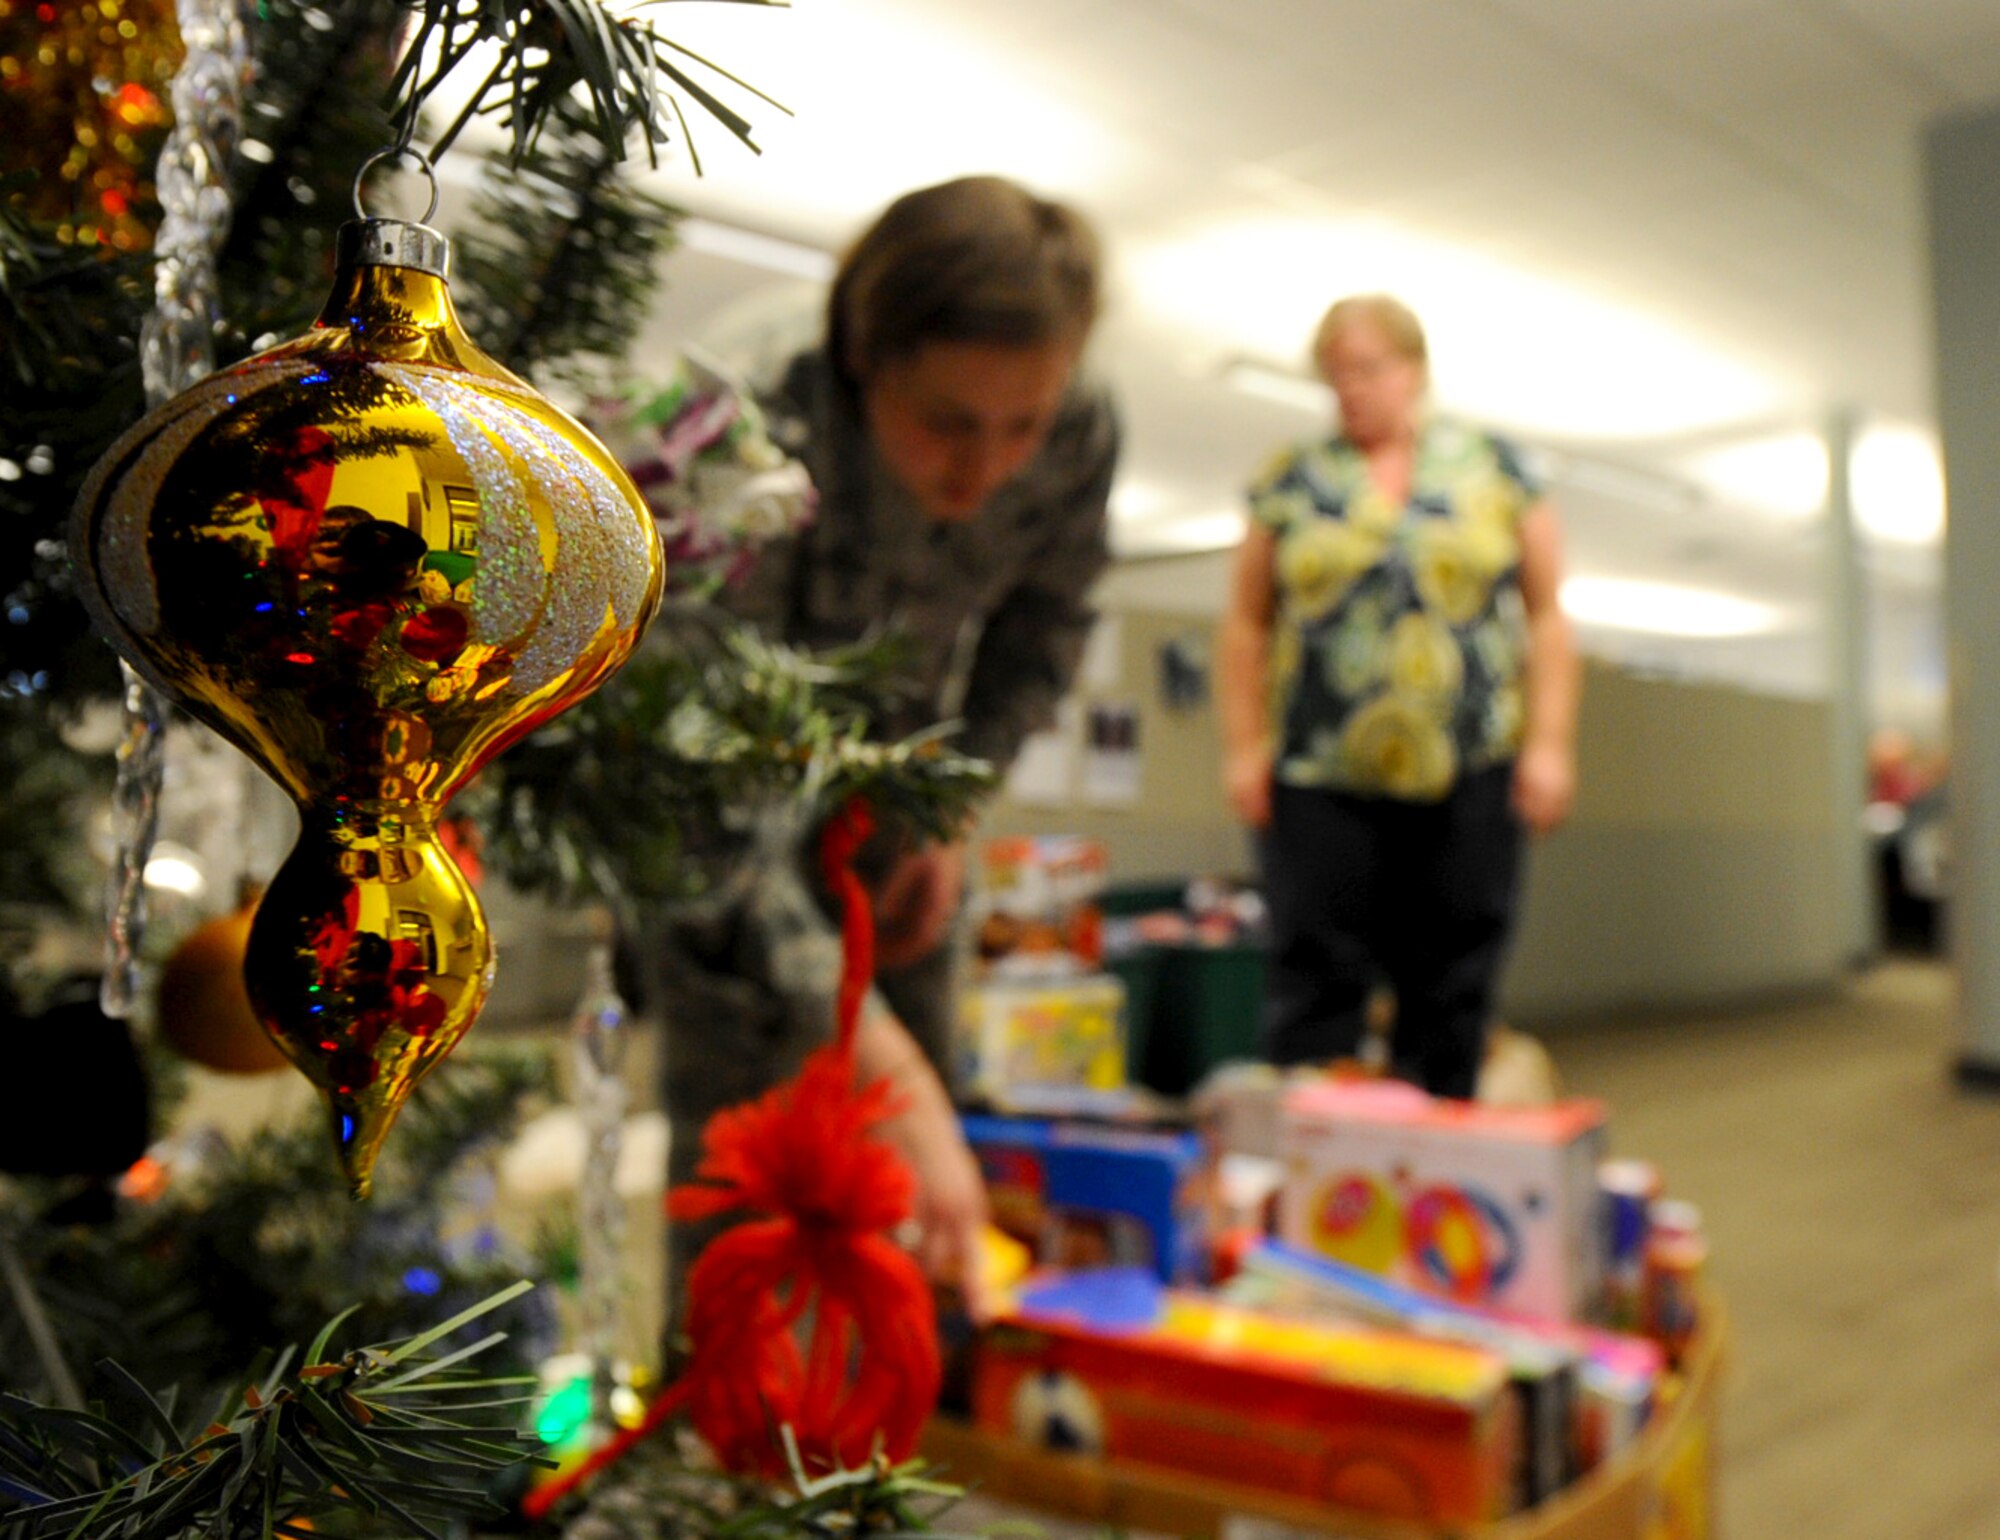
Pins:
<point x="1898" y="485"/>
<point x="1785" y="474"/>
<point x="754" y="250"/>
<point x="883" y="96"/>
<point x="1282" y="386"/>
<point x="1895" y="481"/>
<point x="1509" y="346"/>
<point x="1136" y="502"/>
<point x="1665" y="609"/>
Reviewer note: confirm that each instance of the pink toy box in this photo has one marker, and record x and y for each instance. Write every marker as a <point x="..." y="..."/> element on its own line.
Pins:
<point x="1492" y="1206"/>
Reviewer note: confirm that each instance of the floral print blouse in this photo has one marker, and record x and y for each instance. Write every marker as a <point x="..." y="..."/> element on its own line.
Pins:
<point x="1397" y="653"/>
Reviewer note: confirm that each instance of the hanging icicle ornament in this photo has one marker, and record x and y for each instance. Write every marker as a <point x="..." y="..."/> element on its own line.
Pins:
<point x="600" y="1033"/>
<point x="175" y="349"/>
<point x="370" y="558"/>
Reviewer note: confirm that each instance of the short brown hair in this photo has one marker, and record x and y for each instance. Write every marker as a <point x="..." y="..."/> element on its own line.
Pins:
<point x="1394" y="319"/>
<point x="979" y="259"/>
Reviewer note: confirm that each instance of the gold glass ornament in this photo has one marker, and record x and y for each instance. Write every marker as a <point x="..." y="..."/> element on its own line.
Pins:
<point x="371" y="558"/>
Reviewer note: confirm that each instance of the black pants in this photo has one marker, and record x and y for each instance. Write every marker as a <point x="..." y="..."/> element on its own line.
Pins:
<point x="1366" y="889"/>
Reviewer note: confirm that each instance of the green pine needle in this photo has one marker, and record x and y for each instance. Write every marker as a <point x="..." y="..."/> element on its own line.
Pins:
<point x="555" y="52"/>
<point x="313" y="1442"/>
<point x="562" y="254"/>
<point x="631" y="796"/>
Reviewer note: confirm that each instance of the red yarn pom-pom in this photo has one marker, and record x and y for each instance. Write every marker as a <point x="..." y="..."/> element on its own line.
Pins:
<point x="868" y="1373"/>
<point x="815" y="1259"/>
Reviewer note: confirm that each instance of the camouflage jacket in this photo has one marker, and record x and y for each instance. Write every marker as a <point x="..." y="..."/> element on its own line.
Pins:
<point x="996" y="605"/>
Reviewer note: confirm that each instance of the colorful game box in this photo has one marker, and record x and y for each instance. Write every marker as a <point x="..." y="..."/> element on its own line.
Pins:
<point x="1494" y="1206"/>
<point x="1082" y="1195"/>
<point x="1035" y="910"/>
<point x="1034" y="1036"/>
<point x="1112" y="1363"/>
<point x="1583" y="1392"/>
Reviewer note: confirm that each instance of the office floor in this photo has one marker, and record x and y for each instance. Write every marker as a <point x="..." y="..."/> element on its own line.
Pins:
<point x="1853" y="1201"/>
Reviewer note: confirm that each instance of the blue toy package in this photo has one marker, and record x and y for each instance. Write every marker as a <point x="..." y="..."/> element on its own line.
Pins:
<point x="1110" y="1300"/>
<point x="1082" y="1195"/>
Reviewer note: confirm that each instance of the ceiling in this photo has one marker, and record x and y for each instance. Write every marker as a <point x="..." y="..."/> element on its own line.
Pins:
<point x="1642" y="231"/>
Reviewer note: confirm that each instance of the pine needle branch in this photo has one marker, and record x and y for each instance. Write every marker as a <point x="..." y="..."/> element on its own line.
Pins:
<point x="657" y="1494"/>
<point x="262" y="1245"/>
<point x="563" y="257"/>
<point x="639" y="783"/>
<point x="552" y="52"/>
<point x="315" y="1441"/>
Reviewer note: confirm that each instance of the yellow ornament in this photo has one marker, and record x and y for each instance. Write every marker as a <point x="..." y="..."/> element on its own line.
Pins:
<point x="262" y="547"/>
<point x="204" y="1011"/>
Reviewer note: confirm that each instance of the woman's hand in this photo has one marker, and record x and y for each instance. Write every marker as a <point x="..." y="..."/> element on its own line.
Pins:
<point x="1545" y="772"/>
<point x="915" y="904"/>
<point x="951" y="1196"/>
<point x="1243" y="664"/>
<point x="1544" y="786"/>
<point x="951" y="1209"/>
<point x="1246" y="780"/>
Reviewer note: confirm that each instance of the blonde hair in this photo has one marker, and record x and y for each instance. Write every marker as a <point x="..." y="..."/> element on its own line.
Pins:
<point x="1394" y="319"/>
<point x="979" y="259"/>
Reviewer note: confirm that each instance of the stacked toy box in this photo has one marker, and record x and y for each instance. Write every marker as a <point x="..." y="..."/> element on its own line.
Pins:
<point x="1494" y="1206"/>
<point x="1356" y="1417"/>
<point x="1040" y="1014"/>
<point x="1331" y="1288"/>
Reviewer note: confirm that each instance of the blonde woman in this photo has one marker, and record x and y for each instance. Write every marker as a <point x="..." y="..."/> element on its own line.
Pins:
<point x="1399" y="692"/>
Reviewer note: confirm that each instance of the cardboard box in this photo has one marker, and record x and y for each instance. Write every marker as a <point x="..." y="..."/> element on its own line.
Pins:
<point x="1035" y="1036"/>
<point x="1583" y="1393"/>
<point x="1492" y="1206"/>
<point x="1035" y="911"/>
<point x="1370" y="1421"/>
<point x="1083" y="1195"/>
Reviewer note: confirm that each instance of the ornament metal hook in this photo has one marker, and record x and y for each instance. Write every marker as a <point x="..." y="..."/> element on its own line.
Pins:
<point x="397" y="152"/>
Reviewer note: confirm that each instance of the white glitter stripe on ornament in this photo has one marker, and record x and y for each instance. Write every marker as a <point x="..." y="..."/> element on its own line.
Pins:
<point x="586" y="507"/>
<point x="511" y="583"/>
<point x="624" y="540"/>
<point x="620" y="539"/>
<point x="566" y="626"/>
<point x="576" y="609"/>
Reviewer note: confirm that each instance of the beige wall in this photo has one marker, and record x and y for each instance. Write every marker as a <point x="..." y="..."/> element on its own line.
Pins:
<point x="1698" y="868"/>
<point x="1700" y="865"/>
<point x="1179" y="827"/>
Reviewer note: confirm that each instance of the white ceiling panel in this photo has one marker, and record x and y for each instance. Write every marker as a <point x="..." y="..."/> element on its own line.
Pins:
<point x="1949" y="43"/>
<point x="1740" y="175"/>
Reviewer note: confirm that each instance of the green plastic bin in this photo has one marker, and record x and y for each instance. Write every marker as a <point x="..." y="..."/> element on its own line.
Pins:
<point x="1139" y="971"/>
<point x="1208" y="1011"/>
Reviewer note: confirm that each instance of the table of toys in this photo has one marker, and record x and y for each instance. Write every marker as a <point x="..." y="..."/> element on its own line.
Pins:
<point x="1320" y="1304"/>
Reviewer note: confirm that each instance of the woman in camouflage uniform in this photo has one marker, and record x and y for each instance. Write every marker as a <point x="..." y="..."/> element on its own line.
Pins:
<point x="1399" y="702"/>
<point x="962" y="473"/>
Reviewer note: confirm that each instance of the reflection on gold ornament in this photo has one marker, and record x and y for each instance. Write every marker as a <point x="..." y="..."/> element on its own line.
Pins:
<point x="205" y="1013"/>
<point x="371" y="558"/>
